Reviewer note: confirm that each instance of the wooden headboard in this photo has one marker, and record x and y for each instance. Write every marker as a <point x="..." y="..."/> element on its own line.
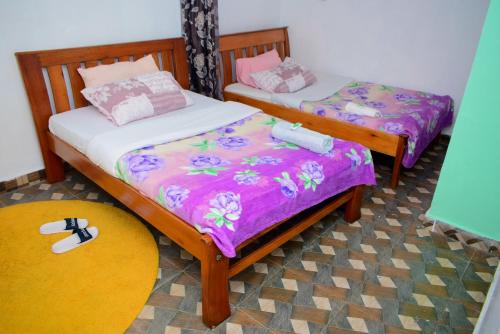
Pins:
<point x="53" y="83"/>
<point x="249" y="44"/>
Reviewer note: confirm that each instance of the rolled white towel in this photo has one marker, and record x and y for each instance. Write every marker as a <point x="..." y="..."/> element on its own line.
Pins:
<point x="354" y="108"/>
<point x="295" y="134"/>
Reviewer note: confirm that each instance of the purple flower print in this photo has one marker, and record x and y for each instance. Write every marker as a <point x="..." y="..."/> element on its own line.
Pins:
<point x="320" y="111"/>
<point x="401" y="97"/>
<point x="232" y="143"/>
<point x="436" y="103"/>
<point x="416" y="116"/>
<point x="287" y="186"/>
<point x="376" y="104"/>
<point x="140" y="165"/>
<point x="225" y="209"/>
<point x="392" y="127"/>
<point x="241" y="121"/>
<point x="265" y="160"/>
<point x="354" y="157"/>
<point x="312" y="174"/>
<point x="336" y="106"/>
<point x="225" y="131"/>
<point x="173" y="197"/>
<point x="314" y="171"/>
<point x="228" y="204"/>
<point x="268" y="160"/>
<point x="207" y="161"/>
<point x="359" y="91"/>
<point x="248" y="177"/>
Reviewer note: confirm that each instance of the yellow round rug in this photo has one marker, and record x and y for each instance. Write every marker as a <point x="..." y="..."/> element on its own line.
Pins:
<point x="99" y="287"/>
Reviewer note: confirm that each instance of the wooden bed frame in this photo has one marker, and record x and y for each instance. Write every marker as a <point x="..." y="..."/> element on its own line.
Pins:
<point x="252" y="43"/>
<point x="55" y="71"/>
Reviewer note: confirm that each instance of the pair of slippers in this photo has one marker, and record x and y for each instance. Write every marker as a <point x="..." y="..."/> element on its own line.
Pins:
<point x="80" y="233"/>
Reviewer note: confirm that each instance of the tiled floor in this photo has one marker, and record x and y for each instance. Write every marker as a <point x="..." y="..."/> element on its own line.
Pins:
<point x="385" y="273"/>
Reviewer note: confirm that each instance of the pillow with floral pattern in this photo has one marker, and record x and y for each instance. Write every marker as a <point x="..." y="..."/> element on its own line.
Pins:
<point x="140" y="97"/>
<point x="288" y="77"/>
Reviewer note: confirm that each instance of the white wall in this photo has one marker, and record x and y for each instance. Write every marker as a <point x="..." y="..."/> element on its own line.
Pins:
<point x="427" y="45"/>
<point x="245" y="15"/>
<point x="34" y="25"/>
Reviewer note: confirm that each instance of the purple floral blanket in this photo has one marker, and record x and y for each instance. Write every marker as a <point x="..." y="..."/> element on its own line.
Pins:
<point x="421" y="116"/>
<point x="238" y="180"/>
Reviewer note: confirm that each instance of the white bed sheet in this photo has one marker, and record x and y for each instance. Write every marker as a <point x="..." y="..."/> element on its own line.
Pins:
<point x="79" y="126"/>
<point x="325" y="86"/>
<point x="254" y="93"/>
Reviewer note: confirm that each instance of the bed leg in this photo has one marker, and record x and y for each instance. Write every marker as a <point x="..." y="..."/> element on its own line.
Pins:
<point x="353" y="207"/>
<point x="54" y="167"/>
<point x="214" y="285"/>
<point x="397" y="162"/>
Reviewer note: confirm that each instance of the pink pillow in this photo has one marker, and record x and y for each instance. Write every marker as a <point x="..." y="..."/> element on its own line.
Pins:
<point x="140" y="97"/>
<point x="288" y="77"/>
<point x="103" y="74"/>
<point x="247" y="66"/>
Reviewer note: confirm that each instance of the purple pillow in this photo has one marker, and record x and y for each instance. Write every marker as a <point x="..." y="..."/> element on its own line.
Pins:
<point x="137" y="98"/>
<point x="288" y="77"/>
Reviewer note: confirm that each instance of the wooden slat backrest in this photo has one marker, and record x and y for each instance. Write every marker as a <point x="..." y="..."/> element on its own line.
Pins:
<point x="254" y="43"/>
<point x="65" y="89"/>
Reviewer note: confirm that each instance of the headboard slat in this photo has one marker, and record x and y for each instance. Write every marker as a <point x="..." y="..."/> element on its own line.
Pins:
<point x="167" y="61"/>
<point x="59" y="91"/>
<point x="76" y="85"/>
<point x="249" y="52"/>
<point x="280" y="47"/>
<point x="227" y="67"/>
<point x="91" y="63"/>
<point x="138" y="56"/>
<point x="108" y="61"/>
<point x="238" y="54"/>
<point x="156" y="58"/>
<point x="260" y="49"/>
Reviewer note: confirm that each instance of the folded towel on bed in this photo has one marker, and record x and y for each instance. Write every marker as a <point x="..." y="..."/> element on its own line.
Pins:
<point x="295" y="134"/>
<point x="354" y="108"/>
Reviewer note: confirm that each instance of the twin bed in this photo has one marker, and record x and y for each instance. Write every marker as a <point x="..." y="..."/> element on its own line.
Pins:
<point x="210" y="176"/>
<point x="410" y="120"/>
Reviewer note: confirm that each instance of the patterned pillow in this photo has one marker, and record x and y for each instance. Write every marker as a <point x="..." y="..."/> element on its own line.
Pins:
<point x="288" y="77"/>
<point x="140" y="97"/>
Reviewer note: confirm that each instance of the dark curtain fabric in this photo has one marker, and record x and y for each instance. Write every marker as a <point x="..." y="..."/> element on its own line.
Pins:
<point x="201" y="33"/>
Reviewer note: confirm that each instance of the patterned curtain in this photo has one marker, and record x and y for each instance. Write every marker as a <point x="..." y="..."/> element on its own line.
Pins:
<point x="201" y="33"/>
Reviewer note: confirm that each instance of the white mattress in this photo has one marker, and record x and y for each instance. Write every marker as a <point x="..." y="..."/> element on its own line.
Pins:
<point x="325" y="86"/>
<point x="79" y="126"/>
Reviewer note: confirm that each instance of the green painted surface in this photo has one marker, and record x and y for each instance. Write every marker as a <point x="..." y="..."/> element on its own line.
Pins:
<point x="468" y="191"/>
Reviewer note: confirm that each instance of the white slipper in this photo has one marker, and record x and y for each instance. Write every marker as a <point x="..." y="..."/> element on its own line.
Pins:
<point x="65" y="225"/>
<point x="78" y="238"/>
